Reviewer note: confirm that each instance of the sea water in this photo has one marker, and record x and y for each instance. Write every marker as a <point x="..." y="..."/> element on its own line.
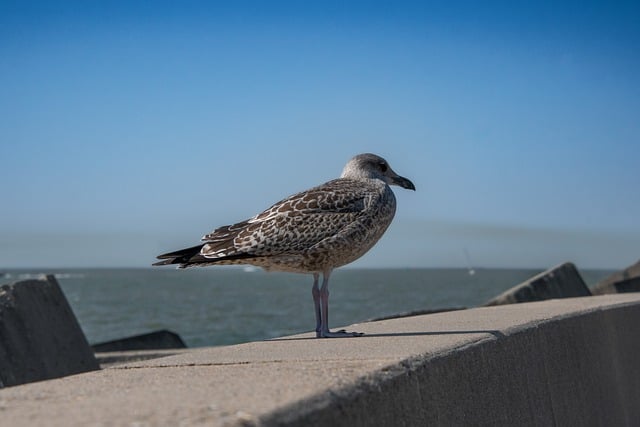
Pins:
<point x="218" y="306"/>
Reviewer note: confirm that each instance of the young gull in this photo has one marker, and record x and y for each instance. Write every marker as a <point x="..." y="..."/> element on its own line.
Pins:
<point x="314" y="231"/>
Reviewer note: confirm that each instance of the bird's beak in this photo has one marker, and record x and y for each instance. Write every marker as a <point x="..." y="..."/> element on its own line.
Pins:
<point x="404" y="183"/>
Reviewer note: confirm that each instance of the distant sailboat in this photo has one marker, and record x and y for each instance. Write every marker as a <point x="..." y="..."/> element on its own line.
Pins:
<point x="470" y="269"/>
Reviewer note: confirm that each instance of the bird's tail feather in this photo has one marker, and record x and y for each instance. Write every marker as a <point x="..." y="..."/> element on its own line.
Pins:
<point x="190" y="257"/>
<point x="179" y="257"/>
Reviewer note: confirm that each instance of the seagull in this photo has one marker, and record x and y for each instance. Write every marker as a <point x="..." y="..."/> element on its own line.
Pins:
<point x="313" y="232"/>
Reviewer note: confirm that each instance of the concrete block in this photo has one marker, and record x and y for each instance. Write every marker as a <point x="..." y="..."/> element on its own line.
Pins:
<point x="151" y="341"/>
<point x="628" y="285"/>
<point x="562" y="281"/>
<point x="40" y="337"/>
<point x="627" y="280"/>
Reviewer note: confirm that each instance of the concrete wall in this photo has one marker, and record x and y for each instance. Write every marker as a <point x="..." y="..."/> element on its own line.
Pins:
<point x="39" y="335"/>
<point x="573" y="371"/>
<point x="565" y="362"/>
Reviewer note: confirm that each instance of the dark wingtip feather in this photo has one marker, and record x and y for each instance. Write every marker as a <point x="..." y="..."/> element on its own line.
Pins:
<point x="178" y="257"/>
<point x="193" y="250"/>
<point x="190" y="257"/>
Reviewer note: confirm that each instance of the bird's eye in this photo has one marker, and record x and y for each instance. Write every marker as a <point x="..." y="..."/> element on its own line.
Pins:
<point x="383" y="167"/>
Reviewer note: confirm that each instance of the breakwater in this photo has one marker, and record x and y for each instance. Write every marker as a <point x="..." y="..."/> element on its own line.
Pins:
<point x="565" y="361"/>
<point x="570" y="360"/>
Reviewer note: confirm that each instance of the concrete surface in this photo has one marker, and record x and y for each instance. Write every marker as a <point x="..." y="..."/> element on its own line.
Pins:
<point x="113" y="358"/>
<point x="559" y="362"/>
<point x="39" y="335"/>
<point x="627" y="280"/>
<point x="562" y="281"/>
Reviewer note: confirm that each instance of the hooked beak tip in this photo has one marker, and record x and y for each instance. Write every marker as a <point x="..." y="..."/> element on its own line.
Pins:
<point x="405" y="183"/>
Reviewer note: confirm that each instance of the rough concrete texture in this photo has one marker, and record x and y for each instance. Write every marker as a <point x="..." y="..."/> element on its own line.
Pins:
<point x="150" y="341"/>
<point x="559" y="362"/>
<point x="113" y="358"/>
<point x="562" y="281"/>
<point x="39" y="335"/>
<point x="627" y="280"/>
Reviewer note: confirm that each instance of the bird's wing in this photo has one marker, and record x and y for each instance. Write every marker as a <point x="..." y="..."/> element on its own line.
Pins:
<point x="293" y="224"/>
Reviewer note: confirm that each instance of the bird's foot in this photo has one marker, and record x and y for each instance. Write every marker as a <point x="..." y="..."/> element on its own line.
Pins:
<point x="338" y="334"/>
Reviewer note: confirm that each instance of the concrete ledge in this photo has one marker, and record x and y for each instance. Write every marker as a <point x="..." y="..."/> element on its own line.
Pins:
<point x="559" y="362"/>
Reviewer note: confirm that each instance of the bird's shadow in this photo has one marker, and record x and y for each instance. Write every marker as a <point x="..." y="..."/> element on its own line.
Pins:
<point x="495" y="333"/>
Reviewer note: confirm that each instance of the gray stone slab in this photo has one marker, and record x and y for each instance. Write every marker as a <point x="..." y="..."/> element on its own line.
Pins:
<point x="627" y="280"/>
<point x="155" y="340"/>
<point x="629" y="285"/>
<point x="562" y="281"/>
<point x="39" y="335"/>
<point x="559" y="362"/>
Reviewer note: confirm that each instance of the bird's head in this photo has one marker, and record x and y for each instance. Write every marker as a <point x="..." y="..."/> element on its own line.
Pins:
<point x="371" y="166"/>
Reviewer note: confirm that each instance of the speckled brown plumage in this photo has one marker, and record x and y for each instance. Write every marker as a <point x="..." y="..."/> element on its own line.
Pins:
<point x="313" y="231"/>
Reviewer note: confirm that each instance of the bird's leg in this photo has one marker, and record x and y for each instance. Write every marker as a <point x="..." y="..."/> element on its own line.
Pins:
<point x="315" y="291"/>
<point x="324" y="313"/>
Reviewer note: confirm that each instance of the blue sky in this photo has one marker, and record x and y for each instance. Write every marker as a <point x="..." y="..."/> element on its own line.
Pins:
<point x="132" y="128"/>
